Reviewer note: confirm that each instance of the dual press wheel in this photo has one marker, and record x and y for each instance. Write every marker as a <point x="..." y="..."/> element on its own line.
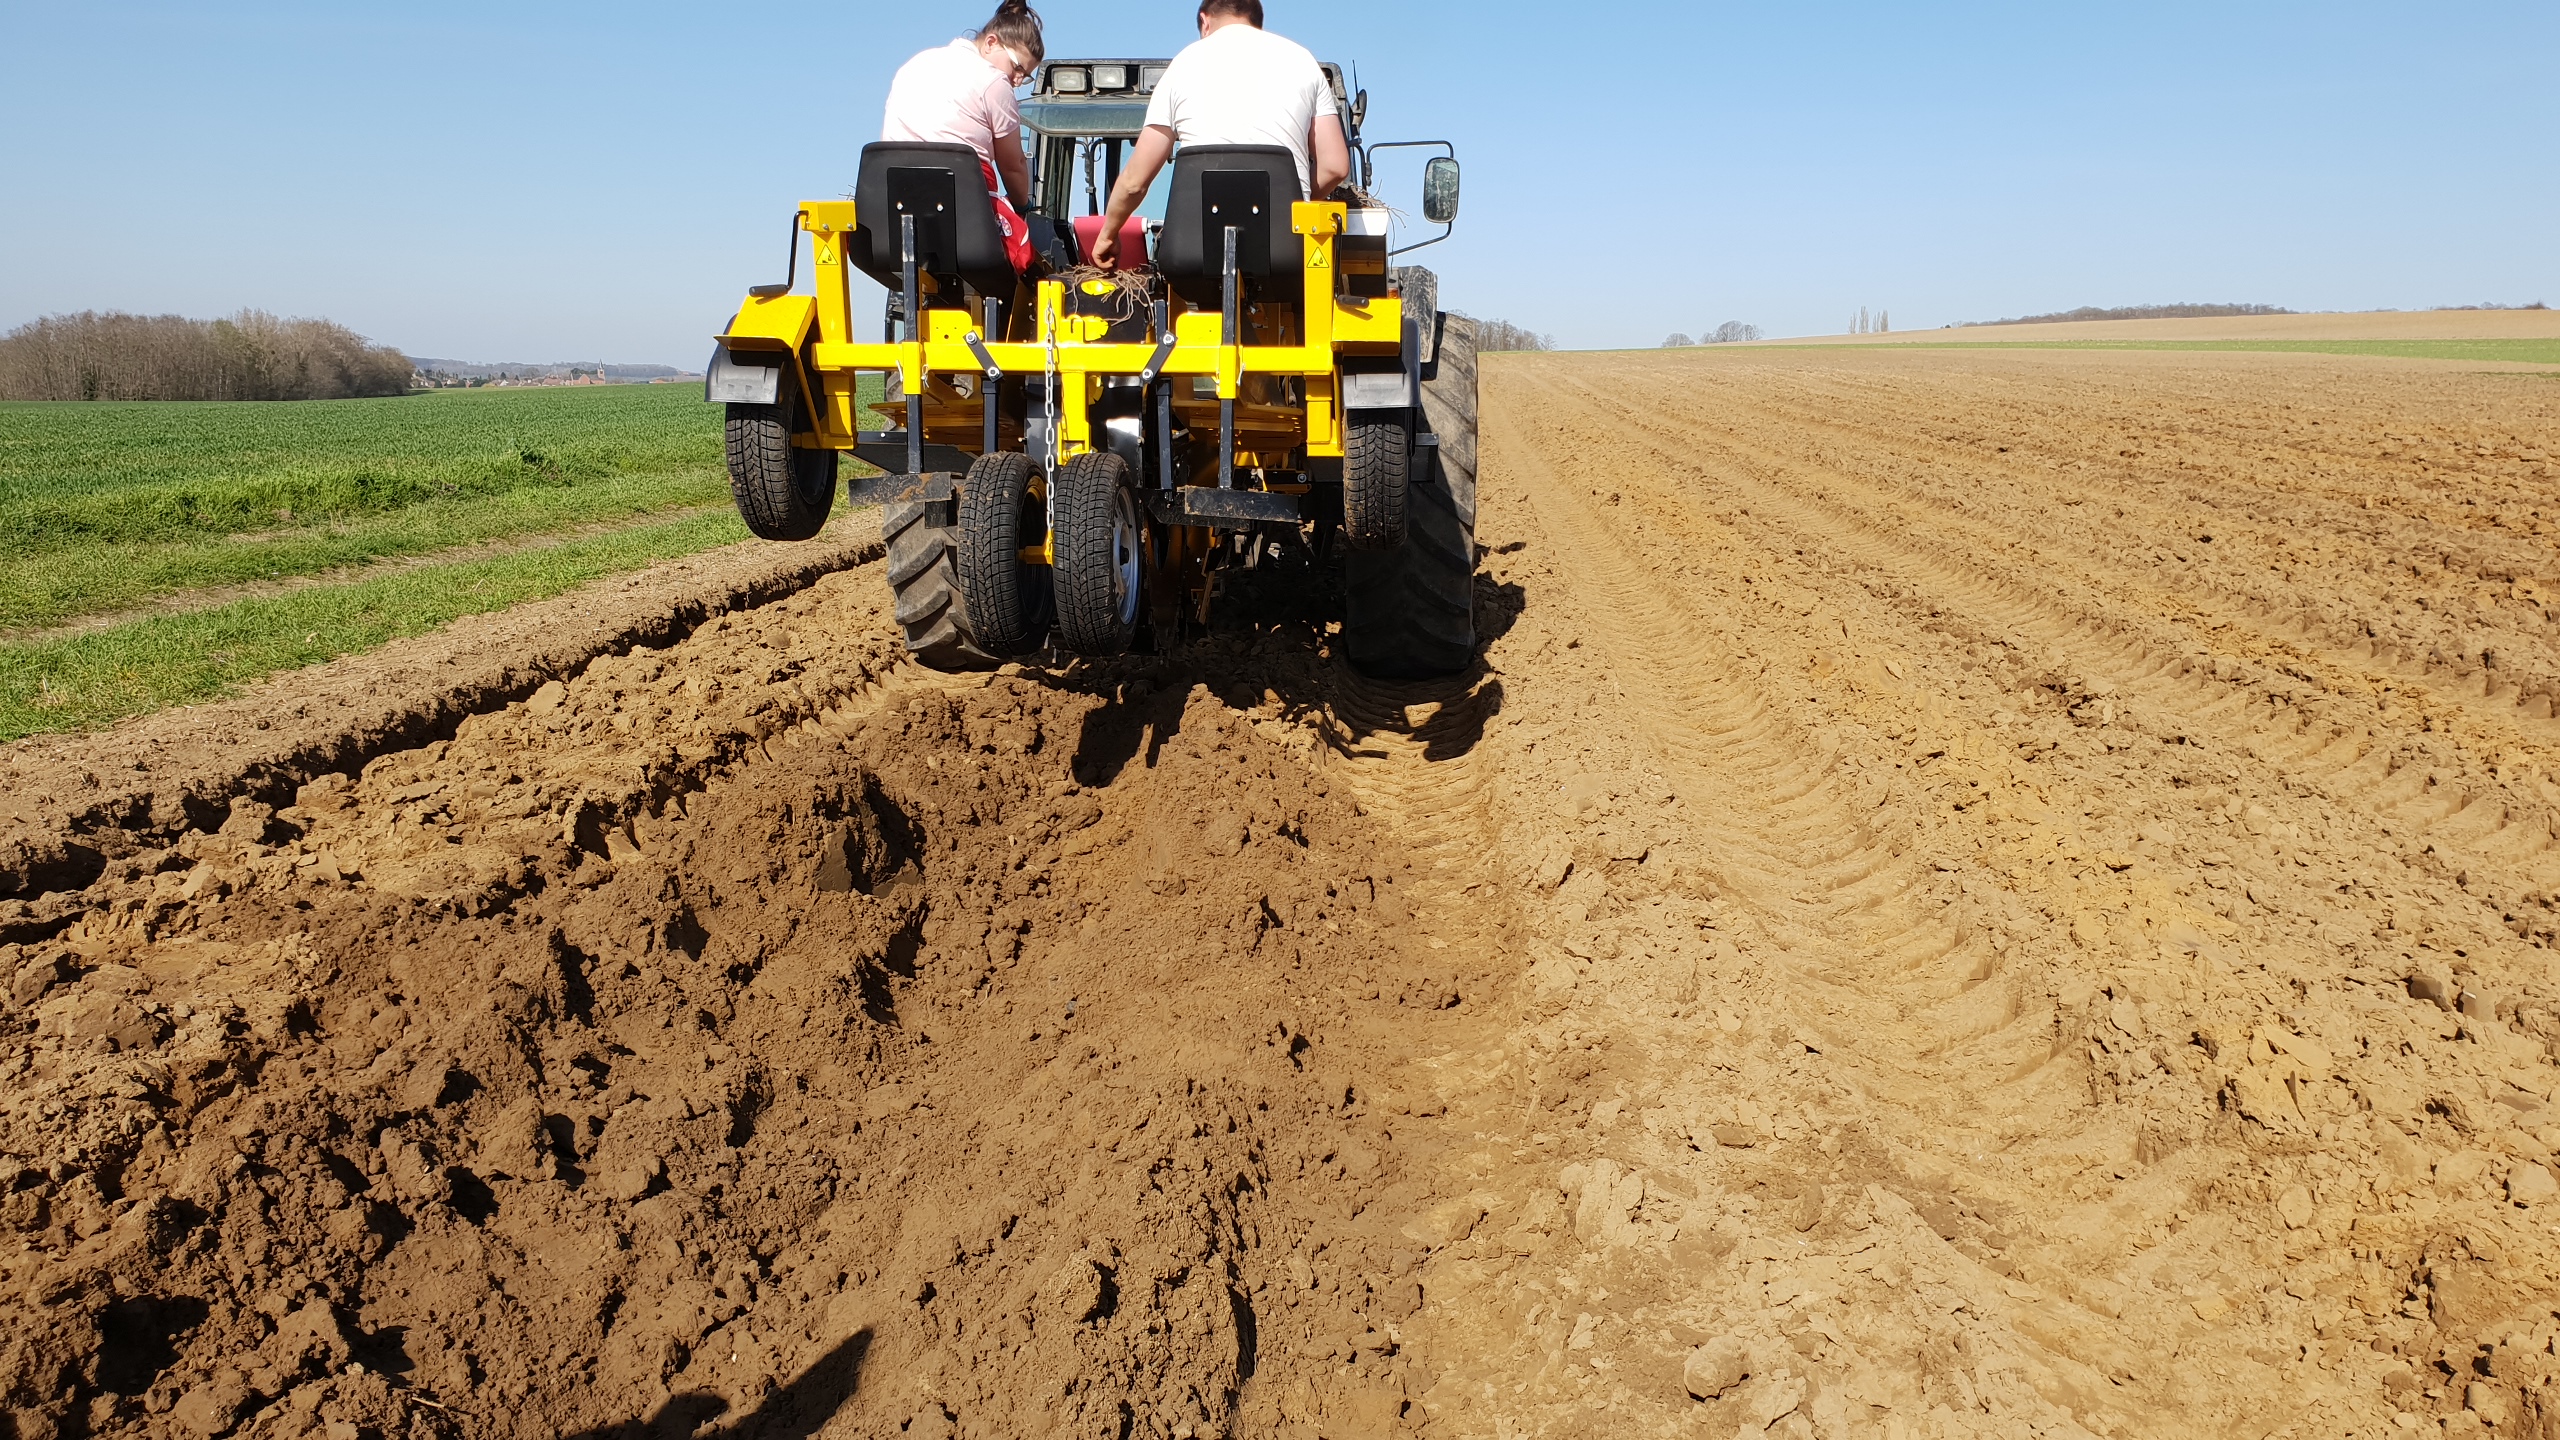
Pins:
<point x="1091" y="591"/>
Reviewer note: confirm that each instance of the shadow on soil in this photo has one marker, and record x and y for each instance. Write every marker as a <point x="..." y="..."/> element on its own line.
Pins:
<point x="1267" y="643"/>
<point x="794" y="1412"/>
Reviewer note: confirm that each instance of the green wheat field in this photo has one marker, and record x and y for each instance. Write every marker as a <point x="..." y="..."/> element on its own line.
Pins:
<point x="157" y="554"/>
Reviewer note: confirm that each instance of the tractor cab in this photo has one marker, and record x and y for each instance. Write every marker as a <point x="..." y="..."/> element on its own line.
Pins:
<point x="1079" y="123"/>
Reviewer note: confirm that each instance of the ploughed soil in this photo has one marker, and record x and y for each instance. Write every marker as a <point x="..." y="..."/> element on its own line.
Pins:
<point x="2370" y="325"/>
<point x="1978" y="893"/>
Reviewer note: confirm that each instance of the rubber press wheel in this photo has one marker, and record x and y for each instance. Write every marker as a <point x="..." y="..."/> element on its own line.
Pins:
<point x="1002" y="514"/>
<point x="1101" y="547"/>
<point x="1377" y="467"/>
<point x="782" y="493"/>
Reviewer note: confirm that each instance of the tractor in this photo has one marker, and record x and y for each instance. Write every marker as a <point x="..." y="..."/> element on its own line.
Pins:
<point x="1080" y="460"/>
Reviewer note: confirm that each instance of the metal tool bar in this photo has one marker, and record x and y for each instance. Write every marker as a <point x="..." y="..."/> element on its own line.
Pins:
<point x="1199" y="503"/>
<point x="889" y="489"/>
<point x="887" y="449"/>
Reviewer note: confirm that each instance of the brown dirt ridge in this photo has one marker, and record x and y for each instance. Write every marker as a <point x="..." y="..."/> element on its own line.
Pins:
<point x="1972" y="893"/>
<point x="71" y="804"/>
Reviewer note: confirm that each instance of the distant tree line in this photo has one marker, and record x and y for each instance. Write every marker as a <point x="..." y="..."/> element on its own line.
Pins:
<point x="2140" y="312"/>
<point x="1503" y="335"/>
<point x="250" y="356"/>
<point x="1731" y="332"/>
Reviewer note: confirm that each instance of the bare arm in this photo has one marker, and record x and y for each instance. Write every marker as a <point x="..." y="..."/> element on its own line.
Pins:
<point x="1016" y="170"/>
<point x="1332" y="155"/>
<point x="1147" y="160"/>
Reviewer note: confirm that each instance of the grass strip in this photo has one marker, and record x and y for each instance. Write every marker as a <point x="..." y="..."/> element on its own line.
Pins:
<point x="39" y="591"/>
<point x="106" y="507"/>
<point x="87" y="681"/>
<point x="84" y="474"/>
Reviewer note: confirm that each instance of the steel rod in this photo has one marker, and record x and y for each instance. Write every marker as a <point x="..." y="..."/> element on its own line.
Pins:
<point x="915" y="402"/>
<point x="989" y="387"/>
<point x="1227" y="328"/>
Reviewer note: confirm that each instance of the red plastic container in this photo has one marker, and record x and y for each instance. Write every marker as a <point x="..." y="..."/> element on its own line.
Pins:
<point x="1133" y="241"/>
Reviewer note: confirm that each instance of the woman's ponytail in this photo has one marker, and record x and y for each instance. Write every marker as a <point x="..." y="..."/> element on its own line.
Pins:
<point x="1017" y="25"/>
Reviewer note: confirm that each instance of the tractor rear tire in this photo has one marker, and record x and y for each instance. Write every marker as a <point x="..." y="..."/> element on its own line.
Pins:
<point x="1001" y="514"/>
<point x="782" y="493"/>
<point x="1101" y="549"/>
<point x="1377" y="467"/>
<point x="924" y="584"/>
<point x="1410" y="612"/>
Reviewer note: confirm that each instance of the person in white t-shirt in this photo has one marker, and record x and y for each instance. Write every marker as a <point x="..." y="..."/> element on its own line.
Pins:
<point x="962" y="94"/>
<point x="1239" y="85"/>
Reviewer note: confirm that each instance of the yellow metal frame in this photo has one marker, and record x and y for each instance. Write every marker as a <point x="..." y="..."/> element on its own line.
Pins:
<point x="819" y="330"/>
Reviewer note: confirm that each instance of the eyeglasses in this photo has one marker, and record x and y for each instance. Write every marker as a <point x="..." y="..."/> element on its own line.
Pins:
<point x="1023" y="69"/>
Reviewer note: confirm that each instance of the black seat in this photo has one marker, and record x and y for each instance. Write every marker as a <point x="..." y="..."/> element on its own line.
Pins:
<point x="957" y="239"/>
<point x="1250" y="187"/>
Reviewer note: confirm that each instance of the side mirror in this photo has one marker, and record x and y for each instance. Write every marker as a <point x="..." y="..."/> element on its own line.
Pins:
<point x="1440" y="191"/>
<point x="1359" y="110"/>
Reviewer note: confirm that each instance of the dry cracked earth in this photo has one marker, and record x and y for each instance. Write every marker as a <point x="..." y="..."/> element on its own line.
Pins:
<point x="2001" y="894"/>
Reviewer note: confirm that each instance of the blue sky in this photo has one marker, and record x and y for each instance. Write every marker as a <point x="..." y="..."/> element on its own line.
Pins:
<point x="542" y="181"/>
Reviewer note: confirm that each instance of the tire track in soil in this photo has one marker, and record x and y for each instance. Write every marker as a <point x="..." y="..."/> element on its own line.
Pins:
<point x="2351" y="504"/>
<point x="2490" y="823"/>
<point x="1818" y="876"/>
<point x="1815" y="869"/>
<point x="2164" y="1214"/>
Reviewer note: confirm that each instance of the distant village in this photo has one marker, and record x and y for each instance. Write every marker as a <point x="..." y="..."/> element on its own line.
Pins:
<point x="462" y="375"/>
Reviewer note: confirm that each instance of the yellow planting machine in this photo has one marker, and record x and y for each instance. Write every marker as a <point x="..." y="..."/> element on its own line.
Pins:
<point x="1081" y="458"/>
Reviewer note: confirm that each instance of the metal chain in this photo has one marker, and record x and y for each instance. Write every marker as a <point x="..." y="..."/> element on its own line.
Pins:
<point x="1049" y="396"/>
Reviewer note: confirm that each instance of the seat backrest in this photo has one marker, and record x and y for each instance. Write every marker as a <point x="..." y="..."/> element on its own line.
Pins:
<point x="1250" y="187"/>
<point x="945" y="188"/>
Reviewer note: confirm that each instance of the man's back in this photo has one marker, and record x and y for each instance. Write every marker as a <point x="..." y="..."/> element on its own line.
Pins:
<point x="1244" y="86"/>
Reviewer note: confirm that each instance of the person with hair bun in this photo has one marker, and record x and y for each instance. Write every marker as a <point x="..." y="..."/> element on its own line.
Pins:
<point x="962" y="94"/>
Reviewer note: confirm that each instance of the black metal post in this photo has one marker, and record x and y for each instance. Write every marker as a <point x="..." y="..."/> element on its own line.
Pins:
<point x="989" y="386"/>
<point x="1163" y="388"/>
<point x="1227" y="328"/>
<point x="915" y="318"/>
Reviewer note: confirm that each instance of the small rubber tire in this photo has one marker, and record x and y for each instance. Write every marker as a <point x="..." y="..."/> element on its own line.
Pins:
<point x="782" y="493"/>
<point x="1410" y="612"/>
<point x="1008" y="600"/>
<point x="1100" y="550"/>
<point x="924" y="585"/>
<point x="1377" y="468"/>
